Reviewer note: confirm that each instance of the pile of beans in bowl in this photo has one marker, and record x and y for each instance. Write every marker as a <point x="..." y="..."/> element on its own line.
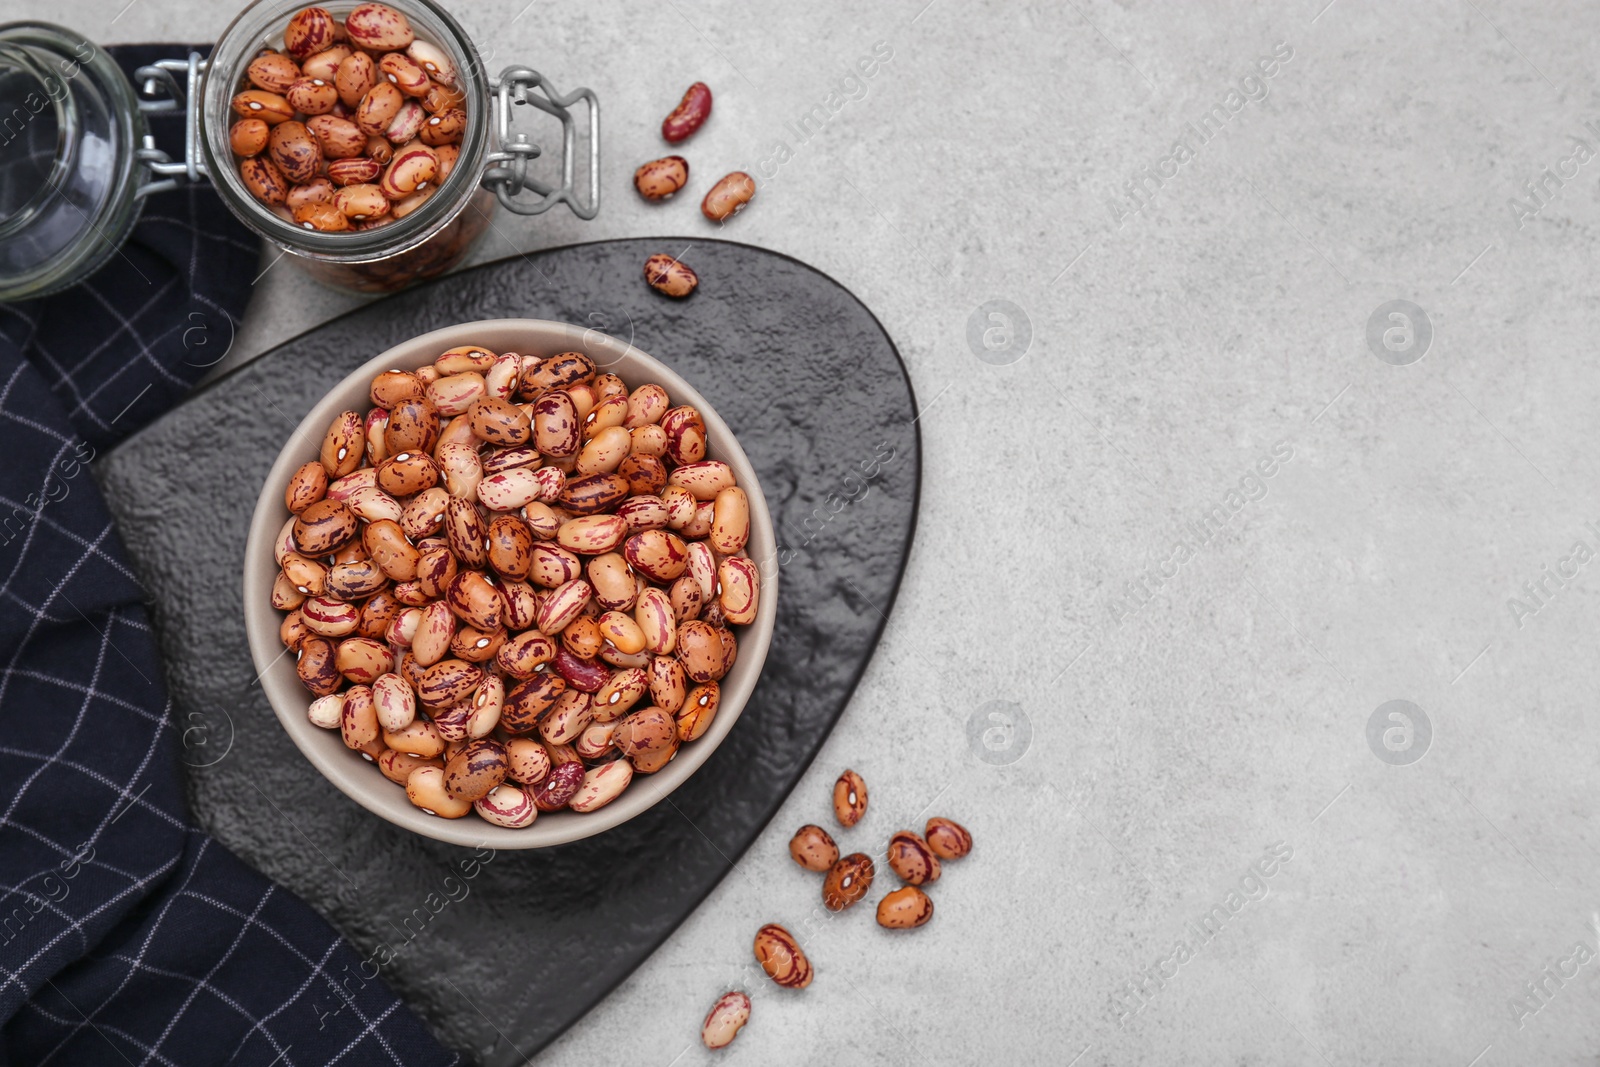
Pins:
<point x="512" y="583"/>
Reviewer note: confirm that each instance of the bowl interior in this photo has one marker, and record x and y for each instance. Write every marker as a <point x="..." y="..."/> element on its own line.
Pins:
<point x="349" y="771"/>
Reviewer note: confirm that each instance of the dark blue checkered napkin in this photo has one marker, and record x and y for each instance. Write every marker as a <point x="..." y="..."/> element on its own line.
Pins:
<point x="127" y="936"/>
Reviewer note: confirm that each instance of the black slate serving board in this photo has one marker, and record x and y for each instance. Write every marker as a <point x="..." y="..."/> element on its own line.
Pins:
<point x="483" y="946"/>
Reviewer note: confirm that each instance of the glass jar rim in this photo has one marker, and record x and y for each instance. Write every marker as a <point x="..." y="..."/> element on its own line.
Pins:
<point x="250" y="30"/>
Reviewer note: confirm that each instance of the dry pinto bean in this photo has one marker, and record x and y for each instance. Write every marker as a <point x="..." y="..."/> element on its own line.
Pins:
<point x="646" y="405"/>
<point x="264" y="180"/>
<point x="582" y="637"/>
<point x="316" y="191"/>
<point x="700" y="525"/>
<point x="499" y="422"/>
<point x="510" y="547"/>
<point x="372" y="504"/>
<point x="325" y="64"/>
<point x="378" y="28"/>
<point x="420" y="739"/>
<point x="725" y="1019"/>
<point x="668" y="683"/>
<point x="358" y="717"/>
<point x="648" y="440"/>
<point x="595" y="741"/>
<point x="413" y="424"/>
<point x="425" y="788"/>
<point x="584" y="675"/>
<point x="488" y="699"/>
<point x="699" y="708"/>
<point x="323" y="527"/>
<point x="780" y="956"/>
<point x="328" y="617"/>
<point x="307" y="485"/>
<point x="730" y="520"/>
<point x="559" y="786"/>
<point x="402" y="627"/>
<point x="356" y="76"/>
<point x="557" y="429"/>
<point x="397" y="766"/>
<point x="700" y="651"/>
<point x="434" y="60"/>
<point x="653" y="613"/>
<point x="680" y="505"/>
<point x="591" y="535"/>
<point x="512" y="489"/>
<point x="741" y="589"/>
<point x="646" y="474"/>
<point x="403" y="74"/>
<point x="412" y="168"/>
<point x="601" y="785"/>
<point x="703" y="569"/>
<point x="461" y="467"/>
<point x="405" y="126"/>
<point x="564" y="604"/>
<point x="622" y="632"/>
<point x="436" y="569"/>
<point x="521" y="605"/>
<point x="565" y="720"/>
<point x="619" y="693"/>
<point x="528" y="762"/>
<point x="847" y="881"/>
<point x="529" y="700"/>
<point x="362" y="202"/>
<point x="312" y="96"/>
<point x="455" y="394"/>
<point x="316" y="668"/>
<point x="728" y="197"/>
<point x="443" y="128"/>
<point x="386" y="543"/>
<point x="407" y="473"/>
<point x="272" y="71"/>
<point x="912" y="859"/>
<point x="310" y="30"/>
<point x="557" y="372"/>
<point x="608" y="412"/>
<point x="476" y="646"/>
<point x="690" y="114"/>
<point x="477" y="768"/>
<point x="395" y="702"/>
<point x="506" y="805"/>
<point x="355" y="580"/>
<point x="260" y="104"/>
<point x="614" y="585"/>
<point x="905" y="908"/>
<point x="657" y="554"/>
<point x="659" y="178"/>
<point x="605" y="451"/>
<point x="551" y="566"/>
<point x="378" y="108"/>
<point x="465" y="530"/>
<point x="849" y="798"/>
<point x="326" y="712"/>
<point x="343" y="445"/>
<point x="323" y="216"/>
<point x="948" y="839"/>
<point x="590" y="494"/>
<point x="686" y="599"/>
<point x="249" y="137"/>
<point x="644" y="731"/>
<point x="475" y="600"/>
<point x="505" y="459"/>
<point x="645" y="512"/>
<point x="293" y="630"/>
<point x="813" y="848"/>
<point x="669" y="276"/>
<point x="704" y="480"/>
<point x="448" y="682"/>
<point x="452" y="724"/>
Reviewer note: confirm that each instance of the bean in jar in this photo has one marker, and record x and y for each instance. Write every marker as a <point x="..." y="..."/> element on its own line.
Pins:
<point x="352" y="124"/>
<point x="497" y="623"/>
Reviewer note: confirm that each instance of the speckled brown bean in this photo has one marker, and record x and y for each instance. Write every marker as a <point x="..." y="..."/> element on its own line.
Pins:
<point x="669" y="276"/>
<point x="741" y="585"/>
<point x="948" y="839"/>
<point x="264" y="180"/>
<point x="645" y="730"/>
<point x="273" y="72"/>
<point x="307" y="575"/>
<point x="730" y="520"/>
<point x="781" y="957"/>
<point x="465" y="530"/>
<point x="527" y="761"/>
<point x="552" y="566"/>
<point x="477" y="768"/>
<point x="529" y="700"/>
<point x="475" y="600"/>
<point x="378" y="28"/>
<point x="323" y="527"/>
<point x="358" y="717"/>
<point x="309" y="30"/>
<point x="356" y="76"/>
<point x="725" y="1019"/>
<point x="563" y="604"/>
<point x="905" y="908"/>
<point x="498" y="422"/>
<point x="259" y="104"/>
<point x="659" y="178"/>
<point x="443" y="129"/>
<point x="249" y="137"/>
<point x="344" y="445"/>
<point x="620" y="692"/>
<point x="325" y="64"/>
<point x="312" y="96"/>
<point x="412" y="425"/>
<point x="912" y="859"/>
<point x="813" y="848"/>
<point x="397" y="766"/>
<point x="582" y="637"/>
<point x="591" y="535"/>
<point x="668" y="683"/>
<point x="558" y="787"/>
<point x="355" y="579"/>
<point x="690" y="114"/>
<point x="420" y="739"/>
<point x="847" y="881"/>
<point x="698" y="710"/>
<point x="728" y="197"/>
<point x="646" y="405"/>
<point x="448" y="682"/>
<point x="652" y="611"/>
<point x="425" y="788"/>
<point x="316" y="667"/>
<point x="378" y="108"/>
<point x="506" y="805"/>
<point x="704" y="480"/>
<point x="849" y="798"/>
<point x="590" y="494"/>
<point x="407" y="473"/>
<point x="306" y="486"/>
<point x="557" y="430"/>
<point x="700" y="652"/>
<point x="510" y="547"/>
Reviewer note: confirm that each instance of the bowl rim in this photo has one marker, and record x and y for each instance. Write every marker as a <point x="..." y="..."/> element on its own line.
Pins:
<point x="350" y="772"/>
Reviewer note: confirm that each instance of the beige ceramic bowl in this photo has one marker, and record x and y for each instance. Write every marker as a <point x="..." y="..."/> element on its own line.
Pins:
<point x="349" y="771"/>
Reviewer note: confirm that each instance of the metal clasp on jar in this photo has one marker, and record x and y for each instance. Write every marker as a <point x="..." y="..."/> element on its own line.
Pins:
<point x="162" y="77"/>
<point x="508" y="174"/>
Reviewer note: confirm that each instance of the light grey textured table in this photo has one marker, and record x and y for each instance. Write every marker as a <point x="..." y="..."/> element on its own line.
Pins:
<point x="1189" y="654"/>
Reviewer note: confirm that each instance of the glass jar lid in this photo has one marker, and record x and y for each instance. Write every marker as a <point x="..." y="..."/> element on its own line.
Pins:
<point x="70" y="129"/>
